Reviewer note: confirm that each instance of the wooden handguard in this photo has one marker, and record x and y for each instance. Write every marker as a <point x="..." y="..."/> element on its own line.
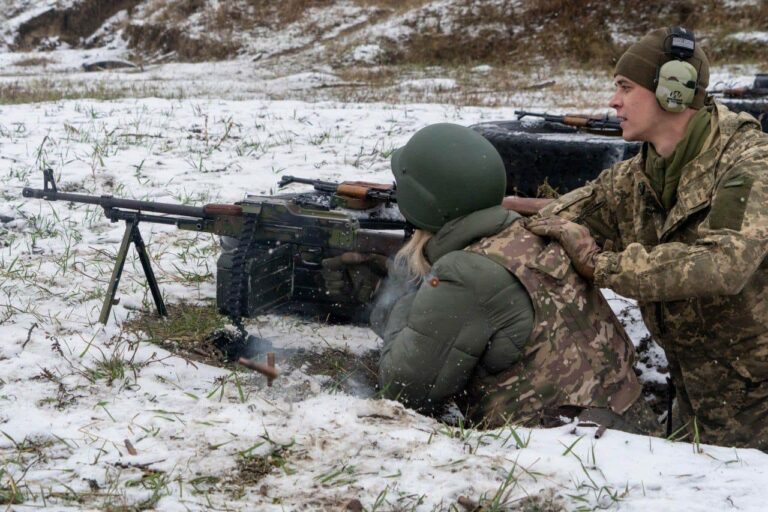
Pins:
<point x="370" y="184"/>
<point x="359" y="189"/>
<point x="351" y="189"/>
<point x="223" y="209"/>
<point x="575" y="120"/>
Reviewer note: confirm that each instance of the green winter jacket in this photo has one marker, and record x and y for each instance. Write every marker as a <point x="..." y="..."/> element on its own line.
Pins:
<point x="477" y="321"/>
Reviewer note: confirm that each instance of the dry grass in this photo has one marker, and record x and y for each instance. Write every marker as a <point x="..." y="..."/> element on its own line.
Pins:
<point x="186" y="324"/>
<point x="159" y="38"/>
<point x="221" y="27"/>
<point x="43" y="89"/>
<point x="497" y="86"/>
<point x="502" y="32"/>
<point x="394" y="5"/>
<point x="722" y="48"/>
<point x="33" y="61"/>
<point x="472" y="32"/>
<point x="246" y="14"/>
<point x="566" y="31"/>
<point x="233" y="15"/>
<point x="587" y="33"/>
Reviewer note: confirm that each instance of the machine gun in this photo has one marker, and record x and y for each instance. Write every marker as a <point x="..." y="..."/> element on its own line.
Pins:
<point x="597" y="125"/>
<point x="273" y="246"/>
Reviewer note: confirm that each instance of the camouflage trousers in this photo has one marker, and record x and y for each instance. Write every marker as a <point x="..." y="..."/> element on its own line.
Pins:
<point x="717" y="405"/>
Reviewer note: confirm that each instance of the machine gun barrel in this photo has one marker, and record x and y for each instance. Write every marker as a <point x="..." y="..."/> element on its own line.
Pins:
<point x="109" y="203"/>
<point x="112" y="205"/>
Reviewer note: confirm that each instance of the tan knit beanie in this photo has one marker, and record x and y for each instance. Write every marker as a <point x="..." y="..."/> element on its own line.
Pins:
<point x="641" y="62"/>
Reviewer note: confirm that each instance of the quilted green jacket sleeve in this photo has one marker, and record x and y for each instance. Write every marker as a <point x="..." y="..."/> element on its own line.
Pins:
<point x="468" y="316"/>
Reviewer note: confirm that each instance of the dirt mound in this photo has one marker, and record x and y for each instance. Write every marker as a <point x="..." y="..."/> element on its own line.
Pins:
<point x="515" y="32"/>
<point x="193" y="30"/>
<point x="158" y="39"/>
<point x="460" y="32"/>
<point x="71" y="24"/>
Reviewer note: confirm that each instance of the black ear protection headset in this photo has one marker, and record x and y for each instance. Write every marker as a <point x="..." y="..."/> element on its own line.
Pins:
<point x="676" y="81"/>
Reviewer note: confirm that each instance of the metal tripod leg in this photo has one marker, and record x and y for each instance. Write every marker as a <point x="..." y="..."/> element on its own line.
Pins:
<point x="132" y="235"/>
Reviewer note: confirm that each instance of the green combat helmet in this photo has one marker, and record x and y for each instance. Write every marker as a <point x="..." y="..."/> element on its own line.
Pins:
<point x="446" y="171"/>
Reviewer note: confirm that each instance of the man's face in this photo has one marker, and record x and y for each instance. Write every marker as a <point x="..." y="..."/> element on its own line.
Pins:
<point x="638" y="109"/>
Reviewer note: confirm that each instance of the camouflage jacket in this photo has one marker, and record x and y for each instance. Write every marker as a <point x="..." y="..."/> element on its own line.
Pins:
<point x="578" y="353"/>
<point x="468" y="331"/>
<point x="699" y="271"/>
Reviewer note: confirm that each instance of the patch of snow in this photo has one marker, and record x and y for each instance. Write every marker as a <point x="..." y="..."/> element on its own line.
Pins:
<point x="59" y="61"/>
<point x="366" y="54"/>
<point x="731" y="4"/>
<point x="627" y="311"/>
<point x="26" y="15"/>
<point x="620" y="36"/>
<point x="107" y="34"/>
<point x="433" y="84"/>
<point x="750" y="37"/>
<point x="21" y="12"/>
<point x="482" y="69"/>
<point x="299" y="81"/>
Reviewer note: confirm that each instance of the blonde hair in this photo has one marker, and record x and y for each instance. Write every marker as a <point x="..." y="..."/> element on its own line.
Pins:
<point x="411" y="255"/>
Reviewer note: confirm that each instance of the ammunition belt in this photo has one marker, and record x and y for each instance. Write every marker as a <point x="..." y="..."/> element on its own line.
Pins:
<point x="239" y="277"/>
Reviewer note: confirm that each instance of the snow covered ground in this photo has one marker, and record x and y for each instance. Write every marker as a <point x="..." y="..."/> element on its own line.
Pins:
<point x="72" y="391"/>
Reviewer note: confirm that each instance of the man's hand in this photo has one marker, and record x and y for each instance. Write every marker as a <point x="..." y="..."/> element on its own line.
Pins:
<point x="575" y="240"/>
<point x="354" y="274"/>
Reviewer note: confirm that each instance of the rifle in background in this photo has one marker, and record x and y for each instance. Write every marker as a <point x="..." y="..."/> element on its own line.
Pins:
<point x="742" y="92"/>
<point x="758" y="89"/>
<point x="356" y="195"/>
<point x="596" y="125"/>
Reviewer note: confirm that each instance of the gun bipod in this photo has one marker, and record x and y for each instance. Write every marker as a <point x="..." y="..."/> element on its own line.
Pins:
<point x="132" y="236"/>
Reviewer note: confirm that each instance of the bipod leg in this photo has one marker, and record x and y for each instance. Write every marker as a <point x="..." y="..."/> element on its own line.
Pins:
<point x="148" y="272"/>
<point x="109" y="300"/>
<point x="132" y="235"/>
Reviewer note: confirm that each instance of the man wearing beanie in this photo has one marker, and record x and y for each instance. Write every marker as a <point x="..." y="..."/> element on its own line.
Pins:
<point x="683" y="228"/>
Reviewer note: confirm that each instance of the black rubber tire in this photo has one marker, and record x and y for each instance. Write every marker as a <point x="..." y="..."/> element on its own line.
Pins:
<point x="758" y="107"/>
<point x="537" y="152"/>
